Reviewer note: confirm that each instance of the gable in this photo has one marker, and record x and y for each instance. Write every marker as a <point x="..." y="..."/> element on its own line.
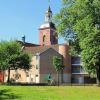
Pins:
<point x="50" y="51"/>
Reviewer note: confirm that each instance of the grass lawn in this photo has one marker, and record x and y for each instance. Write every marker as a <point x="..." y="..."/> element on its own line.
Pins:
<point x="49" y="93"/>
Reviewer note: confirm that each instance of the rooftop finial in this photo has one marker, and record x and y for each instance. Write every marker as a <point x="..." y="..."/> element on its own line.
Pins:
<point x="49" y="1"/>
<point x="23" y="39"/>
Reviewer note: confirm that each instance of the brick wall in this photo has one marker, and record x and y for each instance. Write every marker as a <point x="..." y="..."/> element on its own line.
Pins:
<point x="1" y="76"/>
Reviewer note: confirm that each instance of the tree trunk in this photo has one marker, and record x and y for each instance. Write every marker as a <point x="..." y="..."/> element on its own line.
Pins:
<point x="58" y="78"/>
<point x="98" y="76"/>
<point x="8" y="81"/>
<point x="3" y="75"/>
<point x="61" y="76"/>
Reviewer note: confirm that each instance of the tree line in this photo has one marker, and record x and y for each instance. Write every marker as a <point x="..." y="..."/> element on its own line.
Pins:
<point x="79" y="23"/>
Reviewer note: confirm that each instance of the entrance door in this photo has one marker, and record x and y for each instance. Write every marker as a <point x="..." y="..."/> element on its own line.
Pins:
<point x="37" y="79"/>
<point x="28" y="79"/>
<point x="81" y="80"/>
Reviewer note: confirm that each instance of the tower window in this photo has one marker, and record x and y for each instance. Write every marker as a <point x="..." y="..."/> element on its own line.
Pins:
<point x="44" y="38"/>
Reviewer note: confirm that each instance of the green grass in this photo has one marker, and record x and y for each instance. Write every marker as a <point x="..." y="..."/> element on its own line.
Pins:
<point x="49" y="93"/>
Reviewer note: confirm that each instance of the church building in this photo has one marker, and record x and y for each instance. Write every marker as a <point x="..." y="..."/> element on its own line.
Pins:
<point x="42" y="68"/>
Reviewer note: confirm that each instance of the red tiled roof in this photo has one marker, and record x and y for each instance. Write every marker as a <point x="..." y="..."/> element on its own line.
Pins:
<point x="40" y="49"/>
<point x="26" y="44"/>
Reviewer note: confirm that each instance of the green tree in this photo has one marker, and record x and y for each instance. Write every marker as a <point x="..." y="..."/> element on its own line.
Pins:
<point x="12" y="57"/>
<point x="82" y="17"/>
<point x="57" y="62"/>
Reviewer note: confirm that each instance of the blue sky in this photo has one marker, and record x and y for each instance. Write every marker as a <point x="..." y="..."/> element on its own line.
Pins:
<point x="24" y="17"/>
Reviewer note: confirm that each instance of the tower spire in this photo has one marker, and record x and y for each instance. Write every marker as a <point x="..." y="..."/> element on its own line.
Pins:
<point x="49" y="9"/>
<point x="48" y="14"/>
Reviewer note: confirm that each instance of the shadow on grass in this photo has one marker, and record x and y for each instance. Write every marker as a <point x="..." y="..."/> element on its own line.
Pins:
<point x="6" y="94"/>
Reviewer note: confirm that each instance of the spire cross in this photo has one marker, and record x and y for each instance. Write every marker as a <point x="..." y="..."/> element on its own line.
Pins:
<point x="49" y="2"/>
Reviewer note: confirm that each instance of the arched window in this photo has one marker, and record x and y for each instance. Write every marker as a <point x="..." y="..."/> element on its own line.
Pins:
<point x="44" y="38"/>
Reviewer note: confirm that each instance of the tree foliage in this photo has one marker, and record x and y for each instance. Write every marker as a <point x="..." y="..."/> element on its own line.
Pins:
<point x="12" y="57"/>
<point x="82" y="17"/>
<point x="57" y="62"/>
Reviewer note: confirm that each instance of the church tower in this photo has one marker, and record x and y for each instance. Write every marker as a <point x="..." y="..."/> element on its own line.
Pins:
<point x="47" y="31"/>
